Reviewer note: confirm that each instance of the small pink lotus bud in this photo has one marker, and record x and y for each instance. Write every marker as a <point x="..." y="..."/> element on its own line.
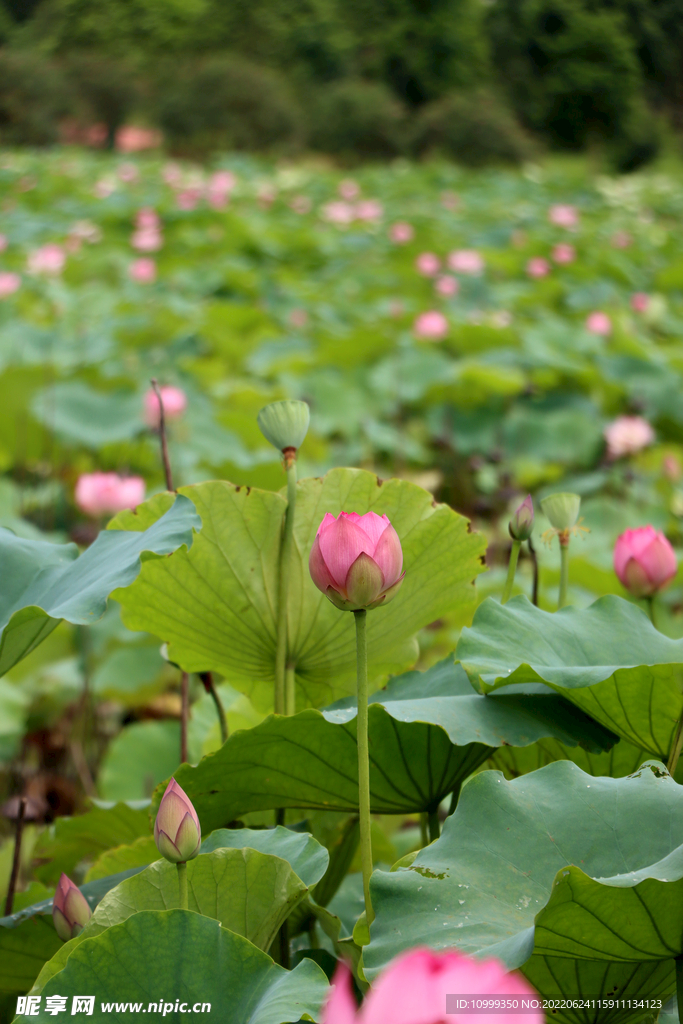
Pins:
<point x="639" y="302"/>
<point x="538" y="267"/>
<point x="428" y="264"/>
<point x="627" y="435"/>
<point x="177" y="832"/>
<point x="143" y="271"/>
<point x="599" y="323"/>
<point x="522" y="522"/>
<point x="174" y="400"/>
<point x="100" y="494"/>
<point x="357" y="560"/>
<point x="337" y="212"/>
<point x="9" y="283"/>
<point x="564" y="253"/>
<point x="563" y="215"/>
<point x="369" y="209"/>
<point x="349" y="189"/>
<point x="49" y="259"/>
<point x="147" y="219"/>
<point x="147" y="240"/>
<point x="466" y="261"/>
<point x="401" y="233"/>
<point x="70" y="909"/>
<point x="447" y="285"/>
<point x="644" y="560"/>
<point x="431" y="325"/>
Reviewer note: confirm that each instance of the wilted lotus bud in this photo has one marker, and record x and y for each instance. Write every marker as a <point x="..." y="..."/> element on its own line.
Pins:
<point x="644" y="560"/>
<point x="70" y="909"/>
<point x="285" y="424"/>
<point x="522" y="522"/>
<point x="357" y="560"/>
<point x="177" y="832"/>
<point x="562" y="509"/>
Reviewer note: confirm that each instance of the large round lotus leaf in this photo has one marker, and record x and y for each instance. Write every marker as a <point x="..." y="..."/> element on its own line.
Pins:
<point x="607" y="659"/>
<point x="557" y="863"/>
<point x="622" y="759"/>
<point x="164" y="956"/>
<point x="428" y="732"/>
<point x="43" y="583"/>
<point x="216" y="604"/>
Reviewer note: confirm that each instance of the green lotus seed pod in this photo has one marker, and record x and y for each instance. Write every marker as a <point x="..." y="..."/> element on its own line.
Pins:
<point x="285" y="424"/>
<point x="562" y="509"/>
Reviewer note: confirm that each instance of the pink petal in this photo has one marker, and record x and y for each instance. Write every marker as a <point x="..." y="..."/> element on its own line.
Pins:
<point x="317" y="568"/>
<point x="389" y="555"/>
<point x="341" y="545"/>
<point x="328" y="520"/>
<point x="340" y="1007"/>
<point x="659" y="561"/>
<point x="631" y="544"/>
<point x="372" y="524"/>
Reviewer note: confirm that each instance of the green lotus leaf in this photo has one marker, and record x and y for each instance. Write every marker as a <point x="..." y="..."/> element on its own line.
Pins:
<point x="44" y="583"/>
<point x="607" y="659"/>
<point x="622" y="759"/>
<point x="164" y="956"/>
<point x="556" y="863"/>
<point x="428" y="732"/>
<point x="216" y="604"/>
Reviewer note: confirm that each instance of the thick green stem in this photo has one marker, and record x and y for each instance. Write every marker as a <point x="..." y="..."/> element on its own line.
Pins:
<point x="564" y="572"/>
<point x="290" y="690"/>
<point x="675" y="751"/>
<point x="434" y="826"/>
<point x="182" y="884"/>
<point x="651" y="609"/>
<point x="424" y="835"/>
<point x="512" y="569"/>
<point x="364" y="758"/>
<point x="285" y="569"/>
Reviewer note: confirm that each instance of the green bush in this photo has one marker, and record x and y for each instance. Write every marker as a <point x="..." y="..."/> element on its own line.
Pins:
<point x="356" y="119"/>
<point x="227" y="103"/>
<point x="34" y="95"/>
<point x="474" y="128"/>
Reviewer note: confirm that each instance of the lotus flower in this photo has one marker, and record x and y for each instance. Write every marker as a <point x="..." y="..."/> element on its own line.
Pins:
<point x="522" y="522"/>
<point x="70" y="909"/>
<point x="644" y="560"/>
<point x="143" y="271"/>
<point x="349" y="189"/>
<point x="428" y="264"/>
<point x="174" y="402"/>
<point x="357" y="560"/>
<point x="413" y="989"/>
<point x="563" y="215"/>
<point x="627" y="435"/>
<point x="177" y="832"/>
<point x="466" y="261"/>
<point x="49" y="259"/>
<point x="564" y="253"/>
<point x="401" y="232"/>
<point x="432" y="325"/>
<point x="100" y="494"/>
<point x="447" y="285"/>
<point x="599" y="323"/>
<point x="538" y="267"/>
<point x="369" y="209"/>
<point x="639" y="302"/>
<point x="9" y="283"/>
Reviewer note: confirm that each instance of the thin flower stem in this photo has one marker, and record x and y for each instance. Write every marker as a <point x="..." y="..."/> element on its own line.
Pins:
<point x="16" y="860"/>
<point x="564" y="572"/>
<point x="281" y="702"/>
<point x="675" y="751"/>
<point x="182" y="884"/>
<point x="363" y="758"/>
<point x="651" y="609"/>
<point x="162" y="436"/>
<point x="534" y="567"/>
<point x="512" y="569"/>
<point x="210" y="687"/>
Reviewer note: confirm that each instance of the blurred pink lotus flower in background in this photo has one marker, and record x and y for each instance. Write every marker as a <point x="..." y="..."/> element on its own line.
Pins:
<point x="450" y="201"/>
<point x="356" y="561"/>
<point x="401" y="232"/>
<point x="599" y="323"/>
<point x="143" y="271"/>
<point x="412" y="989"/>
<point x="172" y="174"/>
<point x="538" y="267"/>
<point x="104" y="188"/>
<point x="432" y="325"/>
<point x="563" y="252"/>
<point x="49" y="259"/>
<point x="266" y="196"/>
<point x="175" y="404"/>
<point x="147" y="237"/>
<point x="298" y="318"/>
<point x="301" y="205"/>
<point x="147" y="219"/>
<point x="70" y="909"/>
<point x="221" y="184"/>
<point x="9" y="283"/>
<point x="132" y="139"/>
<point x="428" y="264"/>
<point x="563" y="215"/>
<point x="627" y="435"/>
<point x="466" y="261"/>
<point x="349" y="189"/>
<point x="100" y="494"/>
<point x="671" y="467"/>
<point x="644" y="560"/>
<point x="639" y="302"/>
<point x="86" y="231"/>
<point x="188" y="198"/>
<point x="337" y="212"/>
<point x="128" y="173"/>
<point x="447" y="285"/>
<point x="369" y="210"/>
<point x="3" y="243"/>
<point x="621" y="240"/>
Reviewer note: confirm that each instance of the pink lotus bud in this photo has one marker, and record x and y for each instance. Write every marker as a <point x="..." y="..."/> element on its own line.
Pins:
<point x="144" y="270"/>
<point x="70" y="909"/>
<point x="427" y="264"/>
<point x="401" y="233"/>
<point x="349" y="189"/>
<point x="49" y="259"/>
<point x="538" y="267"/>
<point x="9" y="283"/>
<point x="599" y="323"/>
<point x="412" y="989"/>
<point x="100" y="494"/>
<point x="466" y="261"/>
<point x="621" y="240"/>
<point x="357" y="560"/>
<point x="147" y="240"/>
<point x="337" y="212"/>
<point x="174" y="400"/>
<point x="639" y="302"/>
<point x="147" y="219"/>
<point x="563" y="215"/>
<point x="564" y="253"/>
<point x="222" y="181"/>
<point x="447" y="285"/>
<point x="369" y="209"/>
<point x="644" y="560"/>
<point x="627" y="435"/>
<point x="432" y="325"/>
<point x="522" y="522"/>
<point x="177" y="832"/>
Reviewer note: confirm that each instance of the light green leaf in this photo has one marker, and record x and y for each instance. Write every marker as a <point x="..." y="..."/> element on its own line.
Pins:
<point x="164" y="956"/>
<point x="93" y="418"/>
<point x="85" y="836"/>
<point x="139" y="758"/>
<point x="216" y="604"/>
<point x="608" y="659"/>
<point x="139" y="853"/>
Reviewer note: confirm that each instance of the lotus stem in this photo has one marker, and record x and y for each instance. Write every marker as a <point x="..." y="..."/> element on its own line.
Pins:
<point x="564" y="571"/>
<point x="434" y="825"/>
<point x="651" y="609"/>
<point x="284" y="694"/>
<point x="363" y="757"/>
<point x="184" y="714"/>
<point x="166" y="462"/>
<point x="675" y="752"/>
<point x="16" y="859"/>
<point x="210" y="687"/>
<point x="182" y="884"/>
<point x="424" y="835"/>
<point x="512" y="569"/>
<point x="679" y="980"/>
<point x="534" y="566"/>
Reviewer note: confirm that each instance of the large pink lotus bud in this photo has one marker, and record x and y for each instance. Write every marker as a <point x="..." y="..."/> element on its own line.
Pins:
<point x="414" y="987"/>
<point x="174" y="401"/>
<point x="70" y="909"/>
<point x="627" y="435"/>
<point x="100" y="494"/>
<point x="356" y="560"/>
<point x="177" y="832"/>
<point x="644" y="560"/>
